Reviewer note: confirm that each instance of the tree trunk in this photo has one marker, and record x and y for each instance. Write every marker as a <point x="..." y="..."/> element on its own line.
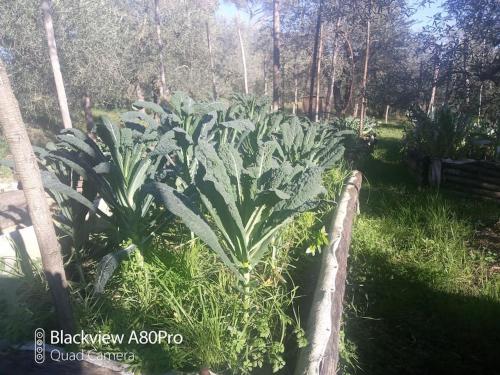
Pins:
<point x="214" y="84"/>
<point x="139" y="93"/>
<point x="243" y="58"/>
<point x="265" y="78"/>
<point x="164" y="94"/>
<point x="430" y="108"/>
<point x="421" y="102"/>
<point x="355" y="111"/>
<point x="365" y="72"/>
<point x="387" y="114"/>
<point x="480" y="104"/>
<point x="314" y="64"/>
<point x="283" y="87"/>
<point x="276" y="55"/>
<point x="54" y="61"/>
<point x="26" y="167"/>
<point x="480" y="101"/>
<point x="295" y="90"/>
<point x="350" y="87"/>
<point x="318" y="75"/>
<point x="330" y="95"/>
<point x="449" y="82"/>
<point x="87" y="110"/>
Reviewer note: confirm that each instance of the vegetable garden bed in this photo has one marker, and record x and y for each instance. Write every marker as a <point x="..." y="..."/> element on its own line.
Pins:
<point x="475" y="178"/>
<point x="207" y="207"/>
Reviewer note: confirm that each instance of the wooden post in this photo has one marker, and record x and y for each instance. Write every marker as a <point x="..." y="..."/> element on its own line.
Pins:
<point x="29" y="175"/>
<point x="320" y="356"/>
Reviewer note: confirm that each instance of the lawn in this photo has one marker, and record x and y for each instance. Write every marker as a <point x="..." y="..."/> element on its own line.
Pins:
<point x="423" y="296"/>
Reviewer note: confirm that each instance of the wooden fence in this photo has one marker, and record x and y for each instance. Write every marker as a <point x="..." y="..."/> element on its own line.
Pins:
<point x="477" y="178"/>
<point x="320" y="356"/>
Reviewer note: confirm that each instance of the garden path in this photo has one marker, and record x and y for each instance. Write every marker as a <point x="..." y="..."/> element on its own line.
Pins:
<point x="423" y="294"/>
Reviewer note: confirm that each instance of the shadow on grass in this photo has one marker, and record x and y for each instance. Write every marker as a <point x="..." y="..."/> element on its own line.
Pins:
<point x="397" y="317"/>
<point x="410" y="328"/>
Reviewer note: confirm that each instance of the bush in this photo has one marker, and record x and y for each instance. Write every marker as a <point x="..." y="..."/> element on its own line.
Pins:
<point x="449" y="134"/>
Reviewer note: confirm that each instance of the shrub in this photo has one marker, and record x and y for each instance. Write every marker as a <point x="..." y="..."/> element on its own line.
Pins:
<point x="443" y="135"/>
<point x="450" y="134"/>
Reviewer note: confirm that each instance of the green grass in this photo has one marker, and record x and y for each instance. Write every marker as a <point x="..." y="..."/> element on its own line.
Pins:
<point x="181" y="287"/>
<point x="421" y="297"/>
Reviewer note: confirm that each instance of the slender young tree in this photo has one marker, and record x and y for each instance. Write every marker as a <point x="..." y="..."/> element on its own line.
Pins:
<point x="318" y="75"/>
<point x="276" y="54"/>
<point x="26" y="167"/>
<point x="54" y="61"/>
<point x="314" y="65"/>
<point x="211" y="59"/>
<point x="164" y="94"/>
<point x="430" y="107"/>
<point x="87" y="110"/>
<point x="243" y="57"/>
<point x="364" y="98"/>
<point x="265" y="76"/>
<point x="330" y="96"/>
<point x="295" y="89"/>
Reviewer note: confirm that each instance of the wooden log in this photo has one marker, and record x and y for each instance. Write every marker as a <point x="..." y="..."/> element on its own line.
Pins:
<point x="489" y="165"/>
<point x="320" y="356"/>
<point x="470" y="175"/>
<point x="470" y="195"/>
<point x="473" y="167"/>
<point x="473" y="183"/>
<point x="478" y="191"/>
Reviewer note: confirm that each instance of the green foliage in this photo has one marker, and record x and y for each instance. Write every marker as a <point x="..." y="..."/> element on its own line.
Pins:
<point x="352" y="123"/>
<point x="442" y="135"/>
<point x="303" y="141"/>
<point x="115" y="168"/>
<point x="26" y="302"/>
<point x="187" y="291"/>
<point x="418" y="279"/>
<point x="252" y="180"/>
<point x="450" y="134"/>
<point x="235" y="175"/>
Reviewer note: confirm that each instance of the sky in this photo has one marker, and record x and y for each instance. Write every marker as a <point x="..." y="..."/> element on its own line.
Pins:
<point x="227" y="10"/>
<point x="422" y="17"/>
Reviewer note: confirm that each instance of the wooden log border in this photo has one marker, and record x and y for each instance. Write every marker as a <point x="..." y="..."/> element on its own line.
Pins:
<point x="320" y="356"/>
<point x="471" y="177"/>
